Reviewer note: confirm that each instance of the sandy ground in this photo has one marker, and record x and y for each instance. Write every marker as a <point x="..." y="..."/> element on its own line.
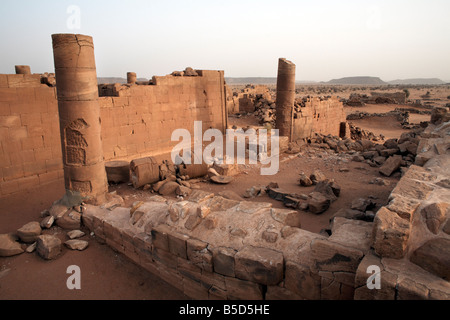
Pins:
<point x="108" y="275"/>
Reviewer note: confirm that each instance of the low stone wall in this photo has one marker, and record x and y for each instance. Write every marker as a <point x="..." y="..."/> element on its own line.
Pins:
<point x="214" y="248"/>
<point x="318" y="116"/>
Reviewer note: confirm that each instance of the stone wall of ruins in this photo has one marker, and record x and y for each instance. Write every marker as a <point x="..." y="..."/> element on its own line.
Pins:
<point x="30" y="151"/>
<point x="137" y="120"/>
<point x="318" y="116"/>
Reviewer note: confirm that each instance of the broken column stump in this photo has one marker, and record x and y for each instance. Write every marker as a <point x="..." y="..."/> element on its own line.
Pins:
<point x="285" y="97"/>
<point x="144" y="170"/>
<point x="117" y="171"/>
<point x="79" y="116"/>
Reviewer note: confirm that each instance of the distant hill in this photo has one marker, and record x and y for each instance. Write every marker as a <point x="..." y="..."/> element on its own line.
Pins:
<point x="116" y="80"/>
<point x="251" y="80"/>
<point x="418" y="81"/>
<point x="358" y="81"/>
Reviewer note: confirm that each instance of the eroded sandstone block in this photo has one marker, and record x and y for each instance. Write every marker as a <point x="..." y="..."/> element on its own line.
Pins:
<point x="391" y="234"/>
<point x="261" y="265"/>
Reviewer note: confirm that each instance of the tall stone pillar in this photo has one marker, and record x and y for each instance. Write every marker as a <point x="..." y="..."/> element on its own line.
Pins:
<point x="131" y="77"/>
<point x="23" y="69"/>
<point x="79" y="117"/>
<point x="285" y="97"/>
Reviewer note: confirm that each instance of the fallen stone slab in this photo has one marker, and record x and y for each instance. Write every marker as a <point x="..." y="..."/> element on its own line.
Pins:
<point x="76" y="244"/>
<point x="318" y="203"/>
<point x="70" y="220"/>
<point x="221" y="179"/>
<point x="29" y="232"/>
<point x="74" y="234"/>
<point x="9" y="245"/>
<point x="391" y="165"/>
<point x="48" y="246"/>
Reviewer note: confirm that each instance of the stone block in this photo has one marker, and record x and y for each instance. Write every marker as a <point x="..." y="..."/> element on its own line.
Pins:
<point x="165" y="258"/>
<point x="223" y="261"/>
<point x="261" y="265"/>
<point x="29" y="232"/>
<point x="434" y="256"/>
<point x="243" y="290"/>
<point x="404" y="207"/>
<point x="412" y="189"/>
<point x="177" y="244"/>
<point x="391" y="234"/>
<point x="280" y="293"/>
<point x="160" y="238"/>
<point x="352" y="233"/>
<point x="331" y="256"/>
<point x="48" y="246"/>
<point x="287" y="217"/>
<point x="435" y="215"/>
<point x="391" y="165"/>
<point x="9" y="245"/>
<point x="301" y="281"/>
<point x="197" y="252"/>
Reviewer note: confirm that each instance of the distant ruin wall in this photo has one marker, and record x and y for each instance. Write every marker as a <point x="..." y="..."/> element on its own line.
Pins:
<point x="318" y="116"/>
<point x="136" y="121"/>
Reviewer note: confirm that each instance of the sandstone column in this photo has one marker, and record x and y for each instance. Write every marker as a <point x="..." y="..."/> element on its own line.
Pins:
<point x="131" y="77"/>
<point x="285" y="97"/>
<point x="23" y="69"/>
<point x="79" y="116"/>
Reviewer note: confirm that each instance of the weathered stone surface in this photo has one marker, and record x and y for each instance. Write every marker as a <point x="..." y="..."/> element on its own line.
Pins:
<point x="301" y="281"/>
<point x="434" y="256"/>
<point x="238" y="289"/>
<point x="48" y="246"/>
<point x="352" y="233"/>
<point x="435" y="214"/>
<point x="223" y="261"/>
<point x="261" y="265"/>
<point x="304" y="180"/>
<point x="9" y="246"/>
<point x="168" y="188"/>
<point x="177" y="244"/>
<point x="198" y="253"/>
<point x="76" y="244"/>
<point x="317" y="176"/>
<point x="70" y="220"/>
<point x="404" y="207"/>
<point x="183" y="191"/>
<point x="328" y="188"/>
<point x="362" y="204"/>
<point x="318" y="203"/>
<point x="334" y="257"/>
<point x="286" y="217"/>
<point x="231" y="195"/>
<point x="29" y="232"/>
<point x="270" y="236"/>
<point x="391" y="165"/>
<point x="411" y="188"/>
<point x="160" y="238"/>
<point x="391" y="234"/>
<point x="199" y="196"/>
<point x="279" y="293"/>
<point x="47" y="222"/>
<point x="410" y="290"/>
<point x="221" y="179"/>
<point x="75" y="234"/>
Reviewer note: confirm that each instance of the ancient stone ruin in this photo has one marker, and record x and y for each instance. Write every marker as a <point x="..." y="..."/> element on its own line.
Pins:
<point x="218" y="246"/>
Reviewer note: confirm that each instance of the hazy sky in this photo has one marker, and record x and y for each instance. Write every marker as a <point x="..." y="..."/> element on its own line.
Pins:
<point x="325" y="39"/>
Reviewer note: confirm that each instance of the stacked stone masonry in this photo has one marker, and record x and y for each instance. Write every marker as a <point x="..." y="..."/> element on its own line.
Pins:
<point x="136" y="121"/>
<point x="319" y="116"/>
